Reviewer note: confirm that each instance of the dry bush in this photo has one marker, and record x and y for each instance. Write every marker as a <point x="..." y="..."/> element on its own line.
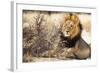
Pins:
<point x="41" y="35"/>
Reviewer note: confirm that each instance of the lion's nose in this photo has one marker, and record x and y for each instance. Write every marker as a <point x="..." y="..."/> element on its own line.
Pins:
<point x="67" y="32"/>
<point x="68" y="29"/>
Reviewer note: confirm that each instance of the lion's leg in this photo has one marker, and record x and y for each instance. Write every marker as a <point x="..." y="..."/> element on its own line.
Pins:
<point x="82" y="50"/>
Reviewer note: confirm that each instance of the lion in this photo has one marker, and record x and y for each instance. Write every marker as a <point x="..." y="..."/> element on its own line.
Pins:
<point x="71" y="37"/>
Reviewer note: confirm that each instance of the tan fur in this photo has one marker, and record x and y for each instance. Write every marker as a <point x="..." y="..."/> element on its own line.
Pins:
<point x="71" y="28"/>
<point x="71" y="25"/>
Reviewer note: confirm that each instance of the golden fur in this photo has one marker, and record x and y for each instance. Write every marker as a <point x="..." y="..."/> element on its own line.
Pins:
<point x="71" y="37"/>
<point x="71" y="26"/>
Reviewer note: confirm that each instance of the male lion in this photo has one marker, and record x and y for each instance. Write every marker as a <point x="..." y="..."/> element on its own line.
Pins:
<point x="71" y="37"/>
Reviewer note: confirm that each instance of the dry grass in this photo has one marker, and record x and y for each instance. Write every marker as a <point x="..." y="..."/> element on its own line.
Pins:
<point x="41" y="35"/>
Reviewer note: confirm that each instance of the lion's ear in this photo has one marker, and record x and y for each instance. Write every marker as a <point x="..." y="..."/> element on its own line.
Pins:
<point x="75" y="19"/>
<point x="66" y="17"/>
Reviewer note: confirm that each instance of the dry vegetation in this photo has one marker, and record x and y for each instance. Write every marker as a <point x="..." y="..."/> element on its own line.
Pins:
<point x="41" y="35"/>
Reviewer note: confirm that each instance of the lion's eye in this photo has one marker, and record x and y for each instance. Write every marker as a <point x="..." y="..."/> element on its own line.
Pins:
<point x="71" y="25"/>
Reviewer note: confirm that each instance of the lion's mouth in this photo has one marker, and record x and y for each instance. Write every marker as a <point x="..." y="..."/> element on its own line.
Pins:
<point x="66" y="34"/>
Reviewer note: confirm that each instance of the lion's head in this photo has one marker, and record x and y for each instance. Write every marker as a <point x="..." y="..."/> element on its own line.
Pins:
<point x="71" y="26"/>
<point x="71" y="29"/>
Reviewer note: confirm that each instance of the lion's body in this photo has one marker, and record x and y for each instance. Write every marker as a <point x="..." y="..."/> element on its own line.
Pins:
<point x="71" y="37"/>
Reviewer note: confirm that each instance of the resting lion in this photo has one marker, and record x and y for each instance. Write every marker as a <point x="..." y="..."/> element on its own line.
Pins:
<point x="71" y="37"/>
